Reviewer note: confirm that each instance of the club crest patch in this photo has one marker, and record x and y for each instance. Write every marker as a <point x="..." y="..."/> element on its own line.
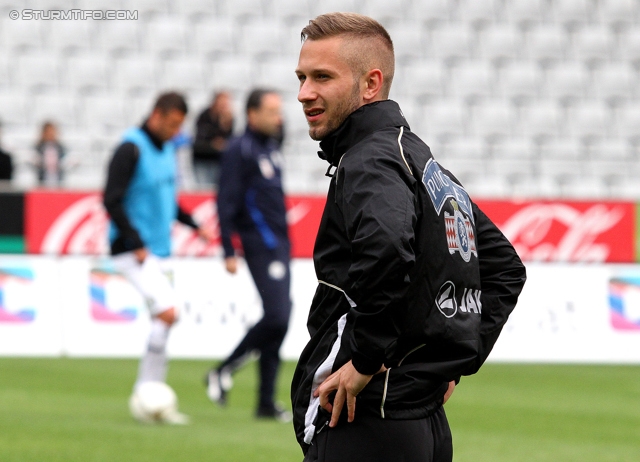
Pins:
<point x="460" y="234"/>
<point x="440" y="188"/>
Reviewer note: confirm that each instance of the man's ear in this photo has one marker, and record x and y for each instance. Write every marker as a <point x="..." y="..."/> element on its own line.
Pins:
<point x="372" y="82"/>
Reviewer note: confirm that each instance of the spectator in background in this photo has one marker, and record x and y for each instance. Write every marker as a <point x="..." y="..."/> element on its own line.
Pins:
<point x="6" y="164"/>
<point x="213" y="128"/>
<point x="251" y="203"/>
<point x="50" y="154"/>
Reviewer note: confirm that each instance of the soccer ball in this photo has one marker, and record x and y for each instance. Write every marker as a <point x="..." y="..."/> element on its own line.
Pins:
<point x="153" y="402"/>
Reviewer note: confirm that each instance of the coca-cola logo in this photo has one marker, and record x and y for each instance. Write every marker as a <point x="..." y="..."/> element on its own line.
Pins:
<point x="562" y="233"/>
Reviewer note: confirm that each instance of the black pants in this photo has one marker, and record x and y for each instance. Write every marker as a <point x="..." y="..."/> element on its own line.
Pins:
<point x="270" y="272"/>
<point x="373" y="439"/>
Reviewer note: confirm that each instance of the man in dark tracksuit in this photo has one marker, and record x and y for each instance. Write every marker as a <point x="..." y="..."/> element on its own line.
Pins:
<point x="251" y="203"/>
<point x="415" y="282"/>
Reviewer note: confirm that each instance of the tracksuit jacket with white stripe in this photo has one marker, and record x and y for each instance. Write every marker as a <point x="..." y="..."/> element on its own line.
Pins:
<point x="411" y="274"/>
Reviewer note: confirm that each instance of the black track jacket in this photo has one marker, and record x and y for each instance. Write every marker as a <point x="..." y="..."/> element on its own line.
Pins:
<point x="411" y="274"/>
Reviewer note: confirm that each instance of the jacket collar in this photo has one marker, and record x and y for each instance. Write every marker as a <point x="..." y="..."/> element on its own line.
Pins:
<point x="360" y="123"/>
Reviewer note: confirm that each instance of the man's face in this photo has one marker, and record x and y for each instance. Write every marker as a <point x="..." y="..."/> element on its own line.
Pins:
<point x="329" y="92"/>
<point x="166" y="124"/>
<point x="267" y="119"/>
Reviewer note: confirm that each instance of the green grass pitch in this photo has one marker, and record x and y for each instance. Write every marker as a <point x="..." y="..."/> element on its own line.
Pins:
<point x="76" y="410"/>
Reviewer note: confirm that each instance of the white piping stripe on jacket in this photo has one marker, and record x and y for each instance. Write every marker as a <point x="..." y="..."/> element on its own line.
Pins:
<point x="351" y="302"/>
<point x="321" y="374"/>
<point x="402" y="150"/>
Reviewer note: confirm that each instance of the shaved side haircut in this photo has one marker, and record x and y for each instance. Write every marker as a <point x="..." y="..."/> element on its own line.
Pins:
<point x="369" y="45"/>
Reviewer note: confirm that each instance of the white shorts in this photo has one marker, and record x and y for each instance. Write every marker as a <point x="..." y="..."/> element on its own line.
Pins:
<point x="151" y="279"/>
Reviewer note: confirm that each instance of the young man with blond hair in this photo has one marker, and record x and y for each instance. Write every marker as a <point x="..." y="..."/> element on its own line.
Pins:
<point x="415" y="282"/>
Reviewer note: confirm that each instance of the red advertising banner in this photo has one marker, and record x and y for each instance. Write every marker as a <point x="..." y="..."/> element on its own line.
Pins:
<point x="559" y="231"/>
<point x="73" y="223"/>
<point x="567" y="231"/>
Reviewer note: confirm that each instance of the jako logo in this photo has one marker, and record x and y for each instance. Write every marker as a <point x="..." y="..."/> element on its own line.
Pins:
<point x="15" y="295"/>
<point x="109" y="302"/>
<point x="624" y="302"/>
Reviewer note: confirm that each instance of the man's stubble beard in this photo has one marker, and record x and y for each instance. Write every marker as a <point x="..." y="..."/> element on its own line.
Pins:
<point x="343" y="110"/>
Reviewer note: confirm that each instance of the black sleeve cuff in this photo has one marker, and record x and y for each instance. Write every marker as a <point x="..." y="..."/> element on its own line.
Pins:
<point x="365" y="365"/>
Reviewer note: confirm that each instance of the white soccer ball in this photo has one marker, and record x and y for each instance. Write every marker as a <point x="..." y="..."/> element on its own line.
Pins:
<point x="153" y="401"/>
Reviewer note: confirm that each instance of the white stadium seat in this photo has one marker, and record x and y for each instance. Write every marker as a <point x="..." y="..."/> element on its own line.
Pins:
<point x="409" y="42"/>
<point x="466" y="148"/>
<point x="233" y="73"/>
<point x="279" y="74"/>
<point x="195" y="10"/>
<point x="472" y="80"/>
<point x="520" y="81"/>
<point x="59" y="108"/>
<point x="590" y="119"/>
<point x="37" y="72"/>
<point x="525" y="13"/>
<point x="501" y="43"/>
<point x="20" y="36"/>
<point x="493" y="119"/>
<point x="547" y="42"/>
<point x="70" y="36"/>
<point x="422" y="79"/>
<point x="572" y="12"/>
<point x="214" y="38"/>
<point x="514" y="148"/>
<point x="262" y="39"/>
<point x="291" y="11"/>
<point x="616" y="82"/>
<point x="135" y="74"/>
<point x="432" y="12"/>
<point x="184" y="74"/>
<point x="443" y="119"/>
<point x="628" y="119"/>
<point x="563" y="148"/>
<point x="619" y="13"/>
<point x="166" y="36"/>
<point x="15" y="109"/>
<point x="451" y="42"/>
<point x="567" y="81"/>
<point x="104" y="112"/>
<point x="119" y="37"/>
<point x="327" y="6"/>
<point x="385" y="11"/>
<point x="242" y="10"/>
<point x="541" y="119"/>
<point x="87" y="73"/>
<point x="593" y="44"/>
<point x="479" y="13"/>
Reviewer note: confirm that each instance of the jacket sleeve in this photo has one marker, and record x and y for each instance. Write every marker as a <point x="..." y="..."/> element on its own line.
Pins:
<point x="379" y="213"/>
<point x="121" y="169"/>
<point x="186" y="218"/>
<point x="502" y="276"/>
<point x="230" y="195"/>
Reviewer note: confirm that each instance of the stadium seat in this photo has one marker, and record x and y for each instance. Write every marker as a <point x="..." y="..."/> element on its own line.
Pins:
<point x="262" y="39"/>
<point x="512" y="170"/>
<point x="493" y="119"/>
<point x="525" y="13"/>
<point x="490" y="186"/>
<point x="279" y="74"/>
<point x="567" y="81"/>
<point x="630" y="45"/>
<point x="547" y="43"/>
<point x="233" y="73"/>
<point x="327" y="6"/>
<point x="626" y="189"/>
<point x="472" y="80"/>
<point x="59" y="108"/>
<point x="534" y="187"/>
<point x="409" y="42"/>
<point x="466" y="148"/>
<point x="590" y="120"/>
<point x="520" y="81"/>
<point x="166" y="36"/>
<point x="433" y="12"/>
<point x="443" y="119"/>
<point x="616" y="82"/>
<point x="541" y="119"/>
<point x="296" y="123"/>
<point x="593" y="44"/>
<point x="619" y="13"/>
<point x="37" y="72"/>
<point x="87" y="73"/>
<point x="21" y="36"/>
<point x="466" y="170"/>
<point x="617" y="149"/>
<point x="148" y="9"/>
<point x="421" y="79"/>
<point x="515" y="148"/>
<point x="563" y="148"/>
<point x="501" y="43"/>
<point x="560" y="170"/>
<point x="585" y="187"/>
<point x="385" y="11"/>
<point x="135" y="74"/>
<point x="214" y="38"/>
<point x="101" y="5"/>
<point x="478" y="13"/>
<point x="15" y="109"/>
<point x="572" y="13"/>
<point x="5" y="76"/>
<point x="628" y="125"/>
<point x="194" y="10"/>
<point x="119" y="37"/>
<point x="451" y="43"/>
<point x="105" y="113"/>
<point x="70" y="36"/>
<point x="185" y="74"/>
<point x="242" y="10"/>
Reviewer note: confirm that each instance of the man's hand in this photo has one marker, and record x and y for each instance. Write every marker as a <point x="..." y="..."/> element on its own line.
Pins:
<point x="348" y="382"/>
<point x="141" y="254"/>
<point x="205" y="233"/>
<point x="231" y="264"/>
<point x="447" y="395"/>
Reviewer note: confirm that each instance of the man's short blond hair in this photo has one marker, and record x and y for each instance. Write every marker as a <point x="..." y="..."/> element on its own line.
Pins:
<point x="368" y="45"/>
